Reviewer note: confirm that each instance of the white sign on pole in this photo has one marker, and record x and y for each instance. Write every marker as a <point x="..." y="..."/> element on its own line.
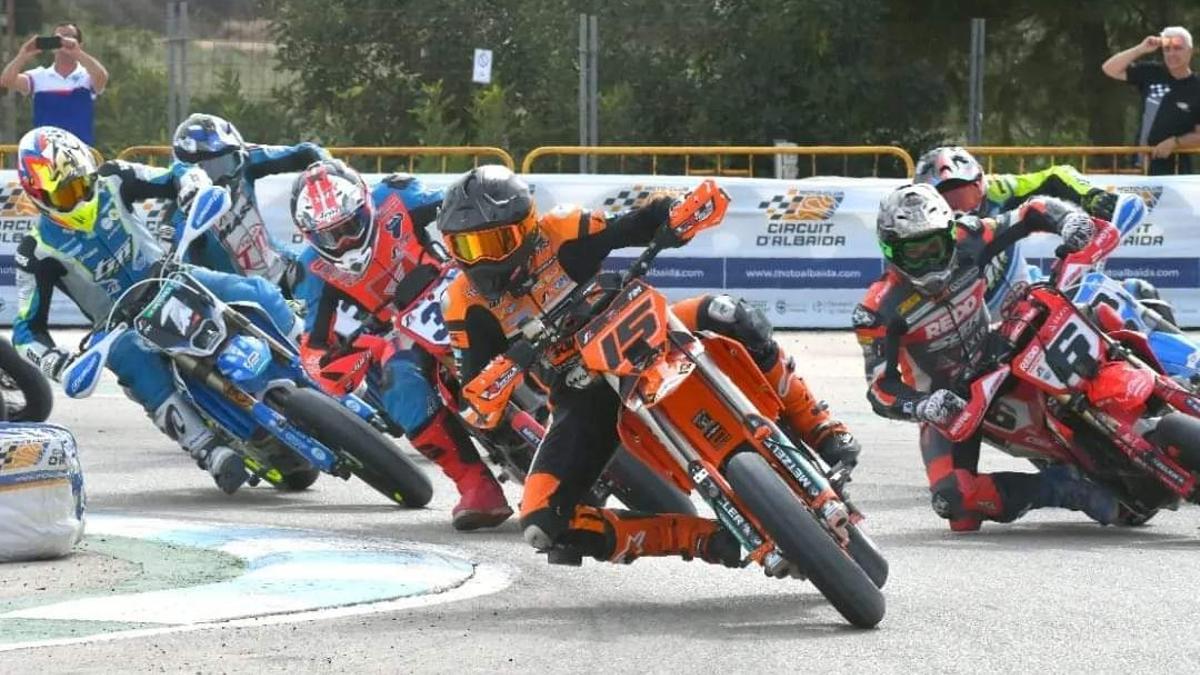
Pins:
<point x="483" y="67"/>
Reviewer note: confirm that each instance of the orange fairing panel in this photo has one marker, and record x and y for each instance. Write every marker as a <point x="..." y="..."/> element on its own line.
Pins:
<point x="732" y="359"/>
<point x="642" y="443"/>
<point x="637" y="317"/>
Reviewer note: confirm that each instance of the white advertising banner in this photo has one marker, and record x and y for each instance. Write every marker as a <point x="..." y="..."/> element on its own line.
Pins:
<point x="803" y="250"/>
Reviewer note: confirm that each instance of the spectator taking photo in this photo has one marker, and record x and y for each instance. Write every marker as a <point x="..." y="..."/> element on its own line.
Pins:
<point x="1170" y="93"/>
<point x="63" y="92"/>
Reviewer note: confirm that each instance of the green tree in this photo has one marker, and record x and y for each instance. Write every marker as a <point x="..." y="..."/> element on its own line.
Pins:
<point x="258" y="121"/>
<point x="493" y="120"/>
<point x="436" y="126"/>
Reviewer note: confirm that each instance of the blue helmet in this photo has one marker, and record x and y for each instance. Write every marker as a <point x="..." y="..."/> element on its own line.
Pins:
<point x="211" y="143"/>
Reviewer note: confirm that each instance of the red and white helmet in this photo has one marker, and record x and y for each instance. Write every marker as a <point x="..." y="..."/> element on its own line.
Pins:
<point x="331" y="205"/>
<point x="956" y="174"/>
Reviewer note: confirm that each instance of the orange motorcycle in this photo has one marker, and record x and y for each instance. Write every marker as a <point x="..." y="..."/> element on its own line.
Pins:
<point x="698" y="410"/>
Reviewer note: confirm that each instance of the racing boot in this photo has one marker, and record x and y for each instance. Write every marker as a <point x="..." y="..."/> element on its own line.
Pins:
<point x="447" y="444"/>
<point x="809" y="417"/>
<point x="630" y="535"/>
<point x="178" y="419"/>
<point x="1062" y="486"/>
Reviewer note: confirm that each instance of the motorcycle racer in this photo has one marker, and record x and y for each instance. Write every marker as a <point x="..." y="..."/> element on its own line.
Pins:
<point x="89" y="245"/>
<point x="369" y="247"/>
<point x="209" y="150"/>
<point x="519" y="264"/>
<point x="960" y="179"/>
<point x="923" y="328"/>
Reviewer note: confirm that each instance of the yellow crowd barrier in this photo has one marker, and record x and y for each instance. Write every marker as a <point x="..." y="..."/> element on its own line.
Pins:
<point x="1086" y="158"/>
<point x="411" y="158"/>
<point x="711" y="160"/>
<point x="703" y="160"/>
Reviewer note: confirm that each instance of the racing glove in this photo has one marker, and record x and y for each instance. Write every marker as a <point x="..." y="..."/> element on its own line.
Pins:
<point x="1076" y="229"/>
<point x="939" y="408"/>
<point x="1100" y="203"/>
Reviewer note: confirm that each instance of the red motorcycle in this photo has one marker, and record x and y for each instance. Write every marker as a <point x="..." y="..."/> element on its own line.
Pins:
<point x="513" y="442"/>
<point x="1070" y="385"/>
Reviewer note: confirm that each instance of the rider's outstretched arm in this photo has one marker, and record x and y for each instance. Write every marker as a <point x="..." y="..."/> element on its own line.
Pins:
<point x="597" y="235"/>
<point x="1040" y="214"/>
<point x="138" y="182"/>
<point x="268" y="160"/>
<point x="1061" y="181"/>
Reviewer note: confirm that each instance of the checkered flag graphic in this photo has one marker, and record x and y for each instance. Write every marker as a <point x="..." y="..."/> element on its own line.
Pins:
<point x="13" y="202"/>
<point x="801" y="205"/>
<point x="777" y="206"/>
<point x="627" y="199"/>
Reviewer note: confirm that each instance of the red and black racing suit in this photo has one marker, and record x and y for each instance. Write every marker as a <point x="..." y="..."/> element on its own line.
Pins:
<point x="939" y="342"/>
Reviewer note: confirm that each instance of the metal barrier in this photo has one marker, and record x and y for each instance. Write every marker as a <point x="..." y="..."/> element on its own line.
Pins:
<point x="413" y="155"/>
<point x="717" y="155"/>
<point x="1115" y="158"/>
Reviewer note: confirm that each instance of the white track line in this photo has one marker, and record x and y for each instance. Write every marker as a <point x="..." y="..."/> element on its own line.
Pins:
<point x="488" y="578"/>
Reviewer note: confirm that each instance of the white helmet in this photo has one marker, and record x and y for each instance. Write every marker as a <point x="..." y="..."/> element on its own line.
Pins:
<point x="915" y="228"/>
<point x="332" y="206"/>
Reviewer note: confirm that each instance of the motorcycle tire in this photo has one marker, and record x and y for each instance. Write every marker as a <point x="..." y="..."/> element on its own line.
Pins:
<point x="641" y="489"/>
<point x="298" y="480"/>
<point x="1181" y="433"/>
<point x="868" y="556"/>
<point x="27" y="393"/>
<point x="383" y="467"/>
<point x="1128" y="518"/>
<point x="804" y="541"/>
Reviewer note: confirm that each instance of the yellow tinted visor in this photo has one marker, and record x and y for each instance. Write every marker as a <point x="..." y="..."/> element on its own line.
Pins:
<point x="69" y="194"/>
<point x="495" y="244"/>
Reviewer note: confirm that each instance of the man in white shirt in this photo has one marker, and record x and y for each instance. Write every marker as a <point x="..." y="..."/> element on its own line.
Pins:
<point x="63" y="92"/>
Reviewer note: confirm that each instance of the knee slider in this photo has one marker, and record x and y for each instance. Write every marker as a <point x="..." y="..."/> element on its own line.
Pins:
<point x="947" y="499"/>
<point x="536" y="537"/>
<point x="744" y="322"/>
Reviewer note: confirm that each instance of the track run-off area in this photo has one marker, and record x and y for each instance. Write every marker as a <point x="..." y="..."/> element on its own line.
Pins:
<point x="175" y="576"/>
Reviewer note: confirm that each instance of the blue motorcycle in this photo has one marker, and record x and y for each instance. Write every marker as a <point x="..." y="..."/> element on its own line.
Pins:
<point x="246" y="379"/>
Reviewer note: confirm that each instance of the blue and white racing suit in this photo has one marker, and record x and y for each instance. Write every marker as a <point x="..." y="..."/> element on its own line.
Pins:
<point x="94" y="268"/>
<point x="241" y="243"/>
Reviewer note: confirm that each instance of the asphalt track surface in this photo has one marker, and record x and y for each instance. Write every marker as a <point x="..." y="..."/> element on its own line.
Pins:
<point x="1052" y="593"/>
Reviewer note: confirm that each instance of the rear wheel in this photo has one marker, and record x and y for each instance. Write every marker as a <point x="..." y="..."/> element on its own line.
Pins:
<point x="27" y="394"/>
<point x="298" y="480"/>
<point x="804" y="541"/>
<point x="641" y="489"/>
<point x="383" y="467"/>
<point x="868" y="556"/>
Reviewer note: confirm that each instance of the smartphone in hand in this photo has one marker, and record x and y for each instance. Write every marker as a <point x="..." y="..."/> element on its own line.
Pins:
<point x="46" y="44"/>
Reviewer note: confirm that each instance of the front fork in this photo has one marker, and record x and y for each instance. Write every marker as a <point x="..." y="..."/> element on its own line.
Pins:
<point x="816" y="489"/>
<point x="817" y="492"/>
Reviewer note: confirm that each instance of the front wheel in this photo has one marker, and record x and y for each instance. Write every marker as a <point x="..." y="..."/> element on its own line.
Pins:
<point x="804" y="541"/>
<point x="1179" y="435"/>
<point x="381" y="465"/>
<point x="27" y="393"/>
